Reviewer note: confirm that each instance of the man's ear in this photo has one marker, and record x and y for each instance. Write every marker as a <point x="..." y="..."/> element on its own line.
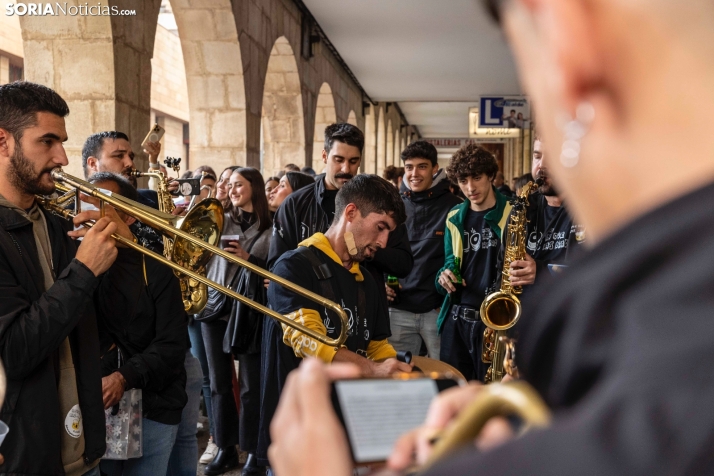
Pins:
<point x="92" y="163"/>
<point x="7" y="143"/>
<point x="324" y="156"/>
<point x="435" y="169"/>
<point x="351" y="211"/>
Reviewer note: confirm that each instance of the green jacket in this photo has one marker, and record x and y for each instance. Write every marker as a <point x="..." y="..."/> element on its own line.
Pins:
<point x="453" y="241"/>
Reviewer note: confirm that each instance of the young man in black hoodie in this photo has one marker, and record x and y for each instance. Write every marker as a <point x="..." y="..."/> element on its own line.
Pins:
<point x="414" y="309"/>
<point x="145" y="349"/>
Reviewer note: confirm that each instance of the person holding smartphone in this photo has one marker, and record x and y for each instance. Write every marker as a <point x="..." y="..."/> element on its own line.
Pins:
<point x="249" y="222"/>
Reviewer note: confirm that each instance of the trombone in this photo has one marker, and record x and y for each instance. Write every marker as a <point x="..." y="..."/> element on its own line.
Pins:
<point x="166" y="224"/>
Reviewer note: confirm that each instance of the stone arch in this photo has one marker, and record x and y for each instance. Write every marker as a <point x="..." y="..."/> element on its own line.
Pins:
<point x="214" y="76"/>
<point x="324" y="116"/>
<point x="369" y="158"/>
<point x="381" y="143"/>
<point x="352" y="118"/>
<point x="390" y="144"/>
<point x="282" y="123"/>
<point x="100" y="65"/>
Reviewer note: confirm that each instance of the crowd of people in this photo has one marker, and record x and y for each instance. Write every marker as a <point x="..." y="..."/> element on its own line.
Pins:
<point x="339" y="234"/>
<point x="84" y="318"/>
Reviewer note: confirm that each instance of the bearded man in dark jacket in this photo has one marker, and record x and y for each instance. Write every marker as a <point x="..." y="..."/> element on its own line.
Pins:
<point x="48" y="330"/>
<point x="414" y="308"/>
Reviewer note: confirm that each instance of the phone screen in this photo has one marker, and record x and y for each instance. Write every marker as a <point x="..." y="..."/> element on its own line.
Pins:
<point x="376" y="412"/>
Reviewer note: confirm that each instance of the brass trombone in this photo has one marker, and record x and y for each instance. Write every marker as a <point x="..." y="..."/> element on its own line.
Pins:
<point x="195" y="249"/>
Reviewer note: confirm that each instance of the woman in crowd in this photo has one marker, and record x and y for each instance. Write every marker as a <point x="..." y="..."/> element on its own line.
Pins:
<point x="289" y="183"/>
<point x="194" y="329"/>
<point x="247" y="231"/>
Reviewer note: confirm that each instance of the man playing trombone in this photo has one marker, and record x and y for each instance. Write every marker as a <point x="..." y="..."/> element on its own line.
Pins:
<point x="367" y="208"/>
<point x="51" y="288"/>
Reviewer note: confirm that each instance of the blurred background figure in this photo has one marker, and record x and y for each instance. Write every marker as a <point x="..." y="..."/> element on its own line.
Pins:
<point x="501" y="185"/>
<point x="394" y="175"/>
<point x="519" y="182"/>
<point x="309" y="171"/>
<point x="291" y="168"/>
<point x="271" y="183"/>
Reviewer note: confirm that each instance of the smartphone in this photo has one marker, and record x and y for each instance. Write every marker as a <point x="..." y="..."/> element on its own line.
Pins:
<point x="226" y="239"/>
<point x="154" y="135"/>
<point x="376" y="412"/>
<point x="191" y="186"/>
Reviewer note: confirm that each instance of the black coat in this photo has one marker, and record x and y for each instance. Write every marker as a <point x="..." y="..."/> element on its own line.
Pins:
<point x="33" y="325"/>
<point x="153" y="339"/>
<point x="620" y="347"/>
<point x="426" y="221"/>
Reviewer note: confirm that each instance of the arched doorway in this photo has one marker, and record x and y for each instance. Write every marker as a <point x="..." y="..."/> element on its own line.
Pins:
<point x="369" y="158"/>
<point x="282" y="124"/>
<point x="324" y="116"/>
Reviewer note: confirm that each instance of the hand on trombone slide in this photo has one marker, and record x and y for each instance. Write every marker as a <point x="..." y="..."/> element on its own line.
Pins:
<point x="98" y="249"/>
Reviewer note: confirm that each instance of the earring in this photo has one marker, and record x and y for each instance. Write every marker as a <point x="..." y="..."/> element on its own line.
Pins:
<point x="574" y="130"/>
<point x="350" y="242"/>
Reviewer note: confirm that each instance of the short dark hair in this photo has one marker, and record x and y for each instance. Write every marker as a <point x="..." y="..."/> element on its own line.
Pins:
<point x="471" y="160"/>
<point x="291" y="168"/>
<point x="346" y="133"/>
<point x="22" y="100"/>
<point x="522" y="180"/>
<point x="308" y="170"/>
<point x="94" y="143"/>
<point x="420" y="149"/>
<point x="126" y="189"/>
<point x="371" y="194"/>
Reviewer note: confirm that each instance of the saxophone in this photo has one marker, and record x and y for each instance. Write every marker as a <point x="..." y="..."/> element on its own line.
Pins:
<point x="501" y="310"/>
<point x="194" y="294"/>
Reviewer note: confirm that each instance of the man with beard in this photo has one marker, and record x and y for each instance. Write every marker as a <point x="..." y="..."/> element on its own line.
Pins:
<point x="52" y="290"/>
<point x="551" y="235"/>
<point x="110" y="151"/>
<point x="367" y="209"/>
<point x="312" y="209"/>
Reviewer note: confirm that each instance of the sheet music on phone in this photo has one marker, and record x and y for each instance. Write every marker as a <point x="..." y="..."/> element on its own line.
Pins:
<point x="376" y="412"/>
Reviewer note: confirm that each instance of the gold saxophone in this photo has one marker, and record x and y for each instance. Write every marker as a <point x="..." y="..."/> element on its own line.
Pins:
<point x="501" y="310"/>
<point x="200" y="221"/>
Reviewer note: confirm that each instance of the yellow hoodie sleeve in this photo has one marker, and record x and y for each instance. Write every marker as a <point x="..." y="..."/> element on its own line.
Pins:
<point x="380" y="350"/>
<point x="305" y="346"/>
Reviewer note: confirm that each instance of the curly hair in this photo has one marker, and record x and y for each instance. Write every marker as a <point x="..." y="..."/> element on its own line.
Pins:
<point x="471" y="160"/>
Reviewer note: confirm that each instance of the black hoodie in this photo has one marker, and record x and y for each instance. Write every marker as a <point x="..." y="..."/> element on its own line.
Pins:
<point x="426" y="218"/>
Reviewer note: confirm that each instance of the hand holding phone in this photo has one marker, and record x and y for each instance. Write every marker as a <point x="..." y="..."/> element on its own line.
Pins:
<point x="154" y="135"/>
<point x="377" y="412"/>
